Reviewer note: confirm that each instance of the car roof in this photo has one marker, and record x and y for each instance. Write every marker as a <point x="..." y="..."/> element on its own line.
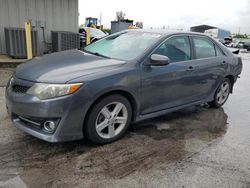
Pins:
<point x="165" y="32"/>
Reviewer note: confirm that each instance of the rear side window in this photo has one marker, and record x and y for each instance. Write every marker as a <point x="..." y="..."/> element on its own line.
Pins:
<point x="176" y="49"/>
<point x="204" y="48"/>
<point x="218" y="51"/>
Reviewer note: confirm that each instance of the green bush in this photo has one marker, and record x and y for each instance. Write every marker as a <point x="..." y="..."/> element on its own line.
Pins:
<point x="241" y="36"/>
<point x="107" y="31"/>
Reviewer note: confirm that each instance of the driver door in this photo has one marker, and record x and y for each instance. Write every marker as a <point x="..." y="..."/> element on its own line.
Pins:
<point x="168" y="86"/>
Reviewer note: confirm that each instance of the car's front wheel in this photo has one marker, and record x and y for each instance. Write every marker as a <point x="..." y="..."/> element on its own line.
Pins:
<point x="109" y="119"/>
<point x="222" y="93"/>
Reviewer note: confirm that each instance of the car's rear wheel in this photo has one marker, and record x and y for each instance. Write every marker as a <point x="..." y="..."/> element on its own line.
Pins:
<point x="222" y="93"/>
<point x="109" y="119"/>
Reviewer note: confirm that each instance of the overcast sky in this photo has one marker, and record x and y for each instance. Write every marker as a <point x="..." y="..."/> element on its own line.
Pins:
<point x="178" y="14"/>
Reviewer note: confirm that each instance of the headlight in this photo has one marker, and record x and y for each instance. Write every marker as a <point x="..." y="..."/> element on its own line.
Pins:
<point x="10" y="82"/>
<point x="46" y="91"/>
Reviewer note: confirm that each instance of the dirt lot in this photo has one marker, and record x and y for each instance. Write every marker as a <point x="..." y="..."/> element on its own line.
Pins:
<point x="194" y="147"/>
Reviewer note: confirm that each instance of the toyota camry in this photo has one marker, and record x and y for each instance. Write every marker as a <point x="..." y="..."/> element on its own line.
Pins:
<point x="125" y="77"/>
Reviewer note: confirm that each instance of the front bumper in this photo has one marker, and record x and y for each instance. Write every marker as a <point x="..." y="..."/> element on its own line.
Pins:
<point x="67" y="111"/>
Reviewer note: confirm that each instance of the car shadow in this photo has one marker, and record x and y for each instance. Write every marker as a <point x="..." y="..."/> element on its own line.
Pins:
<point x="177" y="124"/>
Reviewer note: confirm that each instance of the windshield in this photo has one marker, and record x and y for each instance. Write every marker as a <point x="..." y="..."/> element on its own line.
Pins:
<point x="124" y="46"/>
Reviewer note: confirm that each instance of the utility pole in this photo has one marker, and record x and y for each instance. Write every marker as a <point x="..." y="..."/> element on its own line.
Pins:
<point x="100" y="20"/>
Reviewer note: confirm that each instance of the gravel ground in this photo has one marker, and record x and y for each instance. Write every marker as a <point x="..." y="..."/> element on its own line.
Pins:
<point x="194" y="147"/>
<point x="5" y="74"/>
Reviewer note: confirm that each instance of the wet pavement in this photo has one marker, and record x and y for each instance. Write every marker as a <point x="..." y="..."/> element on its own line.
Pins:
<point x="194" y="147"/>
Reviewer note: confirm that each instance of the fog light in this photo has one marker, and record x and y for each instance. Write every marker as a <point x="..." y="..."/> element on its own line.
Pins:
<point x="49" y="126"/>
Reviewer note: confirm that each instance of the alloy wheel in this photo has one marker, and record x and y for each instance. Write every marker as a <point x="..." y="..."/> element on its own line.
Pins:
<point x="223" y="92"/>
<point x="111" y="120"/>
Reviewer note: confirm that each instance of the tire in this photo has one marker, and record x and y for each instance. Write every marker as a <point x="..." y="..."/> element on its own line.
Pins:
<point x="221" y="94"/>
<point x="108" y="119"/>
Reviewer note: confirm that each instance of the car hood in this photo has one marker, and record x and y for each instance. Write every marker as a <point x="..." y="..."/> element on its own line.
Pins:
<point x="62" y="67"/>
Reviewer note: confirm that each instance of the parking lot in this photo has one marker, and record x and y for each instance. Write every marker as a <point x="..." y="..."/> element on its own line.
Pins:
<point x="194" y="147"/>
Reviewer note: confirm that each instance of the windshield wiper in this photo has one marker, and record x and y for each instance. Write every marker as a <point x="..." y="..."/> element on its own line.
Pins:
<point x="96" y="53"/>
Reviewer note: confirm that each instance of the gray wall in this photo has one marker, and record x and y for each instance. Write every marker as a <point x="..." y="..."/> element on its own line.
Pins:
<point x="60" y="15"/>
<point x="119" y="26"/>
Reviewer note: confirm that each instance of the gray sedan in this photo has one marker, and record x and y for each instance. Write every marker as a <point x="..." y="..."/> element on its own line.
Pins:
<point x="123" y="78"/>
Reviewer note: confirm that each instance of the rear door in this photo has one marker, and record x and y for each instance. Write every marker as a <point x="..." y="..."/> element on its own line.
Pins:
<point x="210" y="63"/>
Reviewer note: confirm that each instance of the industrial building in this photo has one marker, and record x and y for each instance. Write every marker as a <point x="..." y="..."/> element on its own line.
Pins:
<point x="117" y="26"/>
<point x="212" y="31"/>
<point x="44" y="15"/>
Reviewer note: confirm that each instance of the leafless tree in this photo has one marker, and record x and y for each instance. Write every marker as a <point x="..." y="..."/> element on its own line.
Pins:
<point x="120" y="16"/>
<point x="139" y="24"/>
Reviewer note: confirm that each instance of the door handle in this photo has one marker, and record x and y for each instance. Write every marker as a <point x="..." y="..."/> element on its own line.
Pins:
<point x="190" y="69"/>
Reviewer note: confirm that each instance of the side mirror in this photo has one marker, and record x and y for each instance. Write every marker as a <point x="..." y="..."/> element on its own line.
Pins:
<point x="236" y="51"/>
<point x="159" y="60"/>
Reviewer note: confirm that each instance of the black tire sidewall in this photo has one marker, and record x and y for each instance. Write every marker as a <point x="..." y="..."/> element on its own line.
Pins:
<point x="90" y="128"/>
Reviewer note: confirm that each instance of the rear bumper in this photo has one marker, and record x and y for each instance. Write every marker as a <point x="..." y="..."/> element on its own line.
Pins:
<point x="68" y="112"/>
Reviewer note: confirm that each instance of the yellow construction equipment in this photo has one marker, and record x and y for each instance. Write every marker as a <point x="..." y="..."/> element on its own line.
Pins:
<point x="92" y="22"/>
<point x="132" y="27"/>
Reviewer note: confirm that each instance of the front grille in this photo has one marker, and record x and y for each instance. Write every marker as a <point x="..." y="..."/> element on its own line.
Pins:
<point x="20" y="89"/>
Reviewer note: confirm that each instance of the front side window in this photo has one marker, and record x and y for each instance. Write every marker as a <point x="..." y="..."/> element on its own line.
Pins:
<point x="124" y="46"/>
<point x="176" y="49"/>
<point x="204" y="48"/>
